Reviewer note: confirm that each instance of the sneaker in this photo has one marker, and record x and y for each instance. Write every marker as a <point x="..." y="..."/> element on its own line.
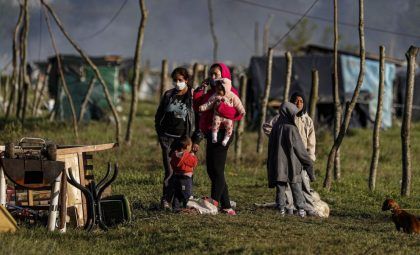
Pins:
<point x="165" y="205"/>
<point x="301" y="213"/>
<point x="232" y="204"/>
<point x="229" y="211"/>
<point x="282" y="212"/>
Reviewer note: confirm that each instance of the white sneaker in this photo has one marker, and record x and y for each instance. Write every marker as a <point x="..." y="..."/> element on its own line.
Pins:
<point x="301" y="213"/>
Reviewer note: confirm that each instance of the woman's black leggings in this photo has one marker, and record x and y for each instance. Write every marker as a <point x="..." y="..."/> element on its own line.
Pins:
<point x="216" y="155"/>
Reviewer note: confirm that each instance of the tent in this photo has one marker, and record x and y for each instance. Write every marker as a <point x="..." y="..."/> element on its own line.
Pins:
<point x="78" y="75"/>
<point x="365" y="109"/>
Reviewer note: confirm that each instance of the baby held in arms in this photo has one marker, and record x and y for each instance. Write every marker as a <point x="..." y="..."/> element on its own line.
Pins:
<point x="223" y="94"/>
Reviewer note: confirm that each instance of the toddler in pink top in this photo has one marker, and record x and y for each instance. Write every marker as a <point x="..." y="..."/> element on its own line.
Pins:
<point x="223" y="94"/>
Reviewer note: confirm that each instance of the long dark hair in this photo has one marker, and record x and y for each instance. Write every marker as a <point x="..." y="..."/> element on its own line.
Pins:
<point x="183" y="72"/>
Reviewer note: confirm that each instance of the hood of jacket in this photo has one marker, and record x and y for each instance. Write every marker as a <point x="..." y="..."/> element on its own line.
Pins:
<point x="224" y="69"/>
<point x="287" y="113"/>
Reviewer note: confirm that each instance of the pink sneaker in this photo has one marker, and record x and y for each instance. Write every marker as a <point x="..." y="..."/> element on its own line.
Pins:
<point x="229" y="211"/>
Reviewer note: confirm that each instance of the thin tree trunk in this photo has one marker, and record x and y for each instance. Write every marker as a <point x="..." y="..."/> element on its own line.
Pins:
<point x="264" y="101"/>
<point x="195" y="76"/>
<point x="266" y="35"/>
<point x="314" y="94"/>
<point x="137" y="72"/>
<point x="16" y="65"/>
<point x="25" y="78"/>
<point x="411" y="55"/>
<point x="62" y="78"/>
<point x="351" y="105"/>
<point x="44" y="85"/>
<point x="37" y="88"/>
<point x="163" y="77"/>
<point x="289" y="64"/>
<point x="6" y="92"/>
<point x="337" y="103"/>
<point x="241" y="124"/>
<point x="213" y="32"/>
<point x="378" y="121"/>
<point x="92" y="65"/>
<point x="205" y="71"/>
<point x="257" y="39"/>
<point x="86" y="99"/>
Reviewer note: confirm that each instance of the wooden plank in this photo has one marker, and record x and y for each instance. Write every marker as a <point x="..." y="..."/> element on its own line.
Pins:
<point x="82" y="182"/>
<point x="87" y="148"/>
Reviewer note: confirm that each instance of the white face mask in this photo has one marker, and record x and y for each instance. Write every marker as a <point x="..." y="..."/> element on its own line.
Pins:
<point x="179" y="85"/>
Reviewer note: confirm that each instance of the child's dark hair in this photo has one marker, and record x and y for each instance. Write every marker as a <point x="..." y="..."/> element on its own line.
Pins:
<point x="181" y="71"/>
<point x="181" y="143"/>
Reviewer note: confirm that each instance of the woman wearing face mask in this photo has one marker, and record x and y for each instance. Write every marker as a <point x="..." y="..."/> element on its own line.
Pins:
<point x="175" y="118"/>
<point x="216" y="153"/>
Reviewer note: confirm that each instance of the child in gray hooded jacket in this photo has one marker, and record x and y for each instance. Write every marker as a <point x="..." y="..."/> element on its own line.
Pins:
<point x="287" y="157"/>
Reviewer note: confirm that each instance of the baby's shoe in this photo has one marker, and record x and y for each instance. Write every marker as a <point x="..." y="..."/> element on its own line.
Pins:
<point x="225" y="141"/>
<point x="301" y="213"/>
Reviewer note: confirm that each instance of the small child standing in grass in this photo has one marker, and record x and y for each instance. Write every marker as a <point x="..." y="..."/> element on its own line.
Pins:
<point x="287" y="157"/>
<point x="183" y="162"/>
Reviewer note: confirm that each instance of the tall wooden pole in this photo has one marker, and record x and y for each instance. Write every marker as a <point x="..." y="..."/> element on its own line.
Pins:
<point x="195" y="81"/>
<point x="92" y="65"/>
<point x="314" y="94"/>
<point x="266" y="35"/>
<point x="336" y="95"/>
<point x="136" y="78"/>
<point x="289" y="64"/>
<point x="24" y="79"/>
<point x="213" y="32"/>
<point x="257" y="39"/>
<point x="241" y="125"/>
<point x="264" y="101"/>
<point x="163" y="77"/>
<point x="85" y="100"/>
<point x="411" y="55"/>
<point x="62" y="78"/>
<point x="378" y="121"/>
<point x="350" y="106"/>
<point x="16" y="65"/>
<point x="205" y="71"/>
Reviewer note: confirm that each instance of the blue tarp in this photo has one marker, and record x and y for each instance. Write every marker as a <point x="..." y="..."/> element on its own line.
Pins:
<point x="350" y="67"/>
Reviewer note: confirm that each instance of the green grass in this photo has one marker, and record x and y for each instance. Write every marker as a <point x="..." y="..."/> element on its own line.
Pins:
<point x="356" y="225"/>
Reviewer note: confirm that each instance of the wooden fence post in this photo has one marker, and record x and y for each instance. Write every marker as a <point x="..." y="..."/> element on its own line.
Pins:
<point x="336" y="95"/>
<point x="352" y="104"/>
<point x="411" y="55"/>
<point x="163" y="77"/>
<point x="314" y="94"/>
<point x="241" y="125"/>
<point x="378" y="121"/>
<point x="264" y="101"/>
<point x="289" y="64"/>
<point x="195" y="81"/>
<point x="136" y="77"/>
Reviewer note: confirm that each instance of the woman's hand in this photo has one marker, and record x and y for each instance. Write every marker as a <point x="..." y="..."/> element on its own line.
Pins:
<point x="195" y="148"/>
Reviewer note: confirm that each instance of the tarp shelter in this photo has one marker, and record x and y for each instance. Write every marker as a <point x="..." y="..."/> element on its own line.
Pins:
<point x="78" y="75"/>
<point x="399" y="99"/>
<point x="365" y="109"/>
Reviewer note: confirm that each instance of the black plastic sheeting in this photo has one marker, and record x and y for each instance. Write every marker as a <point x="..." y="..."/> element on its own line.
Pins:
<point x="301" y="82"/>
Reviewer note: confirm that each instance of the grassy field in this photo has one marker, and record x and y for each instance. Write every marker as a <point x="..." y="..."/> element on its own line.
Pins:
<point x="356" y="225"/>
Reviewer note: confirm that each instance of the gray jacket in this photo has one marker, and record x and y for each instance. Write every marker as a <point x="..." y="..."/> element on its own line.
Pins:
<point x="287" y="155"/>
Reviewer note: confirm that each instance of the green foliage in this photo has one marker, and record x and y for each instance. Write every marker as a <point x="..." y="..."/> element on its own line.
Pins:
<point x="300" y="36"/>
<point x="356" y="225"/>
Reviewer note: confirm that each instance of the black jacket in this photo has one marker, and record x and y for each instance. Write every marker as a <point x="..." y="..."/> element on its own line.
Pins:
<point x="192" y="130"/>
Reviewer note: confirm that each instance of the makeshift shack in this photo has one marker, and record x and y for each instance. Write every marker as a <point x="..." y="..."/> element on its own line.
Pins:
<point x="399" y="98"/>
<point x="78" y="76"/>
<point x="322" y="60"/>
